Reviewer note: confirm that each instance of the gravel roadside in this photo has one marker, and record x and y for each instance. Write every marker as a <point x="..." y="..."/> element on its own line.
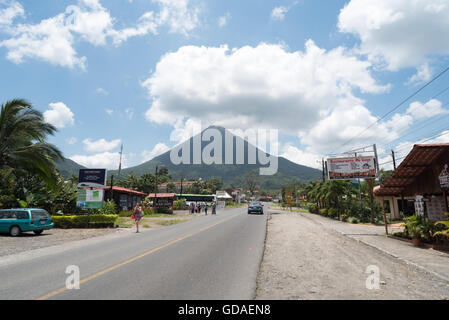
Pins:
<point x="305" y="260"/>
<point x="29" y="241"/>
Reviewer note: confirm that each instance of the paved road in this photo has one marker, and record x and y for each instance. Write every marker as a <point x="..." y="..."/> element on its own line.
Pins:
<point x="212" y="257"/>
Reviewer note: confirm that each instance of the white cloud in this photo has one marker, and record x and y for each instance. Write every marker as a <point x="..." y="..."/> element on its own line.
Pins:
<point x="52" y="39"/>
<point x="423" y="74"/>
<point x="59" y="115"/>
<point x="259" y="87"/>
<point x="102" y="91"/>
<point x="223" y="20"/>
<point x="294" y="154"/>
<point x="158" y="149"/>
<point x="109" y="111"/>
<point x="429" y="109"/>
<point x="100" y="145"/>
<point x="399" y="33"/>
<point x="108" y="160"/>
<point x="279" y="13"/>
<point x="72" y="140"/>
<point x="129" y="113"/>
<point x="9" y="10"/>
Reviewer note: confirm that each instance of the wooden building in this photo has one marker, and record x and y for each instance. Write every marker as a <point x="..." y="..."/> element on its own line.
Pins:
<point x="419" y="178"/>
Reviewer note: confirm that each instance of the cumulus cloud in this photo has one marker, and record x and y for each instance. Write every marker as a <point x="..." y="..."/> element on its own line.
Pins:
<point x="59" y="115"/>
<point x="279" y="13"/>
<point x="429" y="109"/>
<point x="223" y="20"/>
<point x="108" y="160"/>
<point x="258" y="87"/>
<point x="398" y="33"/>
<point x="10" y="10"/>
<point x="158" y="149"/>
<point x="52" y="40"/>
<point x="100" y="145"/>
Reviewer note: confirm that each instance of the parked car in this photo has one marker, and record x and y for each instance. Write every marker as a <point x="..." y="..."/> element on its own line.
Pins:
<point x="255" y="207"/>
<point x="16" y="221"/>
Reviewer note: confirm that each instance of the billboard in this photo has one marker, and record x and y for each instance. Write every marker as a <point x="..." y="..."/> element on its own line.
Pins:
<point x="92" y="178"/>
<point x="351" y="168"/>
<point x="90" y="199"/>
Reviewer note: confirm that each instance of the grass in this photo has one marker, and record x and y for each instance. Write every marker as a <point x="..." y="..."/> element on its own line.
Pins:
<point x="167" y="223"/>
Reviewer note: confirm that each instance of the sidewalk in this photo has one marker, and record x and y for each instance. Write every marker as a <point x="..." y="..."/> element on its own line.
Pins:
<point x="429" y="260"/>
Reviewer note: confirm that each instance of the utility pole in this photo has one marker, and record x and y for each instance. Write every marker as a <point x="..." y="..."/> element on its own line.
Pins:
<point x="181" y="185"/>
<point x="324" y="178"/>
<point x="394" y="159"/>
<point x="155" y="191"/>
<point x="120" y="165"/>
<point x="112" y="188"/>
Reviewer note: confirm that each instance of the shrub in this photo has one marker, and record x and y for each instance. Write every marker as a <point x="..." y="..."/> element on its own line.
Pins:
<point x="179" y="205"/>
<point x="109" y="208"/>
<point x="148" y="212"/>
<point x="128" y="213"/>
<point x="344" y="217"/>
<point x="323" y="212"/>
<point x="312" y="207"/>
<point x="353" y="220"/>
<point x="332" y="213"/>
<point x="85" y="221"/>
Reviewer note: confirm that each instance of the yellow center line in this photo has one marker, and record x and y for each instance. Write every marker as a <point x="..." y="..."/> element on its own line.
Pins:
<point x="96" y="275"/>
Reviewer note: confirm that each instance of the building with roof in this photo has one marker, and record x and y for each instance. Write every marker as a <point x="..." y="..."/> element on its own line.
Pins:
<point x="124" y="198"/>
<point x="178" y="186"/>
<point x="421" y="177"/>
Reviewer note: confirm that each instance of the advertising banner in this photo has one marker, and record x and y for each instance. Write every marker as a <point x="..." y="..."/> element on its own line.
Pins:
<point x="90" y="199"/>
<point x="351" y="168"/>
<point x="92" y="178"/>
<point x="444" y="178"/>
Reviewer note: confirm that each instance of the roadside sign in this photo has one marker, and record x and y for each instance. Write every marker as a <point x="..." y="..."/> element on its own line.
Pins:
<point x="419" y="205"/>
<point x="444" y="178"/>
<point x="352" y="168"/>
<point x="90" y="199"/>
<point x="92" y="178"/>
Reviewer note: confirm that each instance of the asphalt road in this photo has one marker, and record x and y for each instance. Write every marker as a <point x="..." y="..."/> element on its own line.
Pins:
<point x="212" y="257"/>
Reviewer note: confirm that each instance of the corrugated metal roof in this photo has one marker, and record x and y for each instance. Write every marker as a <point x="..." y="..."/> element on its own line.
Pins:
<point x="417" y="161"/>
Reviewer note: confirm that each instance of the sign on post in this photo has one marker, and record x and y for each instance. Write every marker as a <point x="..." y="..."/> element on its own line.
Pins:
<point x="90" y="199"/>
<point x="92" y="178"/>
<point x="351" y="168"/>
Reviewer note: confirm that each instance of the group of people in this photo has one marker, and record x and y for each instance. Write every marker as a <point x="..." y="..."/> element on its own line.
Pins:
<point x="200" y="207"/>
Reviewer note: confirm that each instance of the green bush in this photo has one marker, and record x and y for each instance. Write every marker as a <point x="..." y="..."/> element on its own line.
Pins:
<point x="323" y="212"/>
<point x="85" y="221"/>
<point x="312" y="207"/>
<point x="344" y="217"/>
<point x="123" y="214"/>
<point x="180" y="205"/>
<point x="148" y="212"/>
<point x="332" y="213"/>
<point x="109" y="207"/>
<point x="353" y="220"/>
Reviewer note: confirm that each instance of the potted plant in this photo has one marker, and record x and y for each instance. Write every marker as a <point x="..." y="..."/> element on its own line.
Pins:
<point x="414" y="228"/>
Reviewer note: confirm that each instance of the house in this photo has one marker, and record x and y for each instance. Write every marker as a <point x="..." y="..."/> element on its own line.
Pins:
<point x="420" y="184"/>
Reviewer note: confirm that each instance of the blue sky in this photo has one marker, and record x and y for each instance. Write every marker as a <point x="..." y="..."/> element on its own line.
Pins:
<point x="143" y="72"/>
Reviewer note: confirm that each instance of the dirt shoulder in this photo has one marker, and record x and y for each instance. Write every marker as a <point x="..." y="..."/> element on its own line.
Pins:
<point x="305" y="260"/>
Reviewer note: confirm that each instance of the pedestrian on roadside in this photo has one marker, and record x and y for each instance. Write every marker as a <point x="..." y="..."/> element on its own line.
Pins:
<point x="199" y="208"/>
<point x="191" y="207"/>
<point x="205" y="208"/>
<point x="214" y="208"/>
<point x="138" y="214"/>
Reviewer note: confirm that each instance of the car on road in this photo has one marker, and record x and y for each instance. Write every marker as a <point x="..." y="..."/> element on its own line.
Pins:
<point x="255" y="207"/>
<point x="16" y="221"/>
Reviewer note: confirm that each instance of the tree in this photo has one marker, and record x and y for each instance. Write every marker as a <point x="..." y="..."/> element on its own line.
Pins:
<point x="251" y="181"/>
<point x="23" y="146"/>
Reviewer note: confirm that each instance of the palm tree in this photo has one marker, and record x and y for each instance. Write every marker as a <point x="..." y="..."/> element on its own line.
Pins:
<point x="23" y="148"/>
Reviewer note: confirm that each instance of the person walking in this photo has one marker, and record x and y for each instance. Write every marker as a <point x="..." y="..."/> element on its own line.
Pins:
<point x="214" y="208"/>
<point x="205" y="208"/>
<point x="138" y="214"/>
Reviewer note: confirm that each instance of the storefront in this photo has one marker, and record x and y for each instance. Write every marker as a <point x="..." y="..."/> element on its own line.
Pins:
<point x="162" y="200"/>
<point x="420" y="185"/>
<point x="125" y="199"/>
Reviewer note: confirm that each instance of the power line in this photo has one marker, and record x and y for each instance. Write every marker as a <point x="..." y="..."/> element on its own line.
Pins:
<point x="398" y="106"/>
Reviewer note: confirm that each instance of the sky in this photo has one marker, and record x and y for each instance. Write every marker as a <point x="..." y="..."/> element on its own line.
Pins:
<point x="144" y="73"/>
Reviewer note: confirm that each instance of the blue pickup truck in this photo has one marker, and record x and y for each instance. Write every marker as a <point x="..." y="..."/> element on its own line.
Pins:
<point x="16" y="221"/>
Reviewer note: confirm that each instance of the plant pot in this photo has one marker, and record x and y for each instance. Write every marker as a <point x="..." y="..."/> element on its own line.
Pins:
<point x="416" y="242"/>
